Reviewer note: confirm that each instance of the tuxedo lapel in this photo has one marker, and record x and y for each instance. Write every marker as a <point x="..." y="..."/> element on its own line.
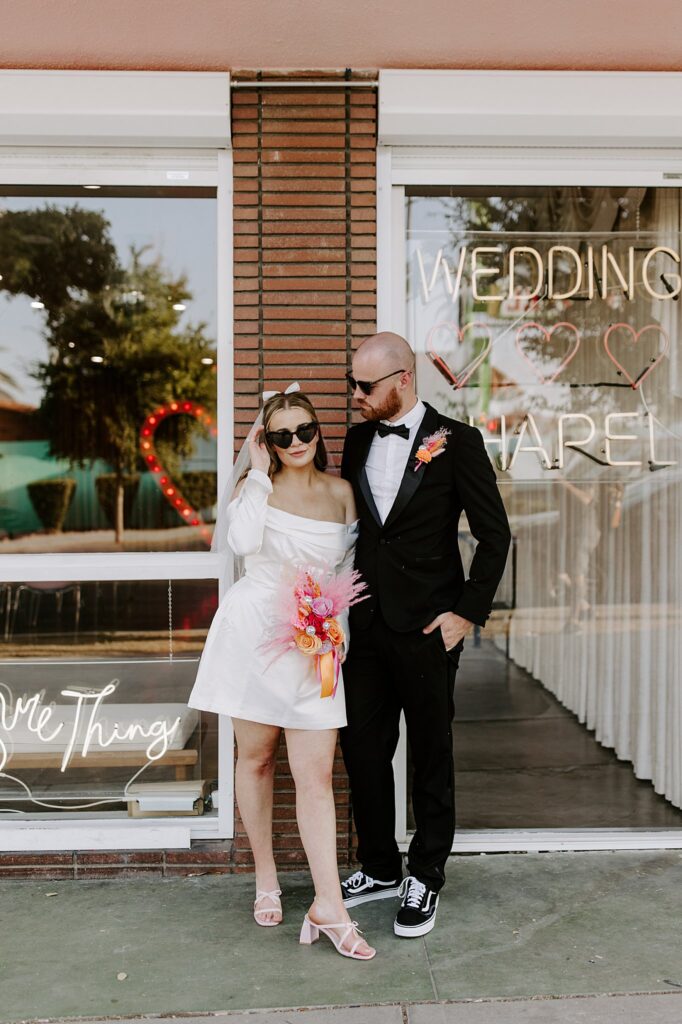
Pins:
<point x="363" y="481"/>
<point x="411" y="477"/>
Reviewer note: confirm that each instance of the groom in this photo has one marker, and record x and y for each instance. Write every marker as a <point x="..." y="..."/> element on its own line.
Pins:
<point x="413" y="472"/>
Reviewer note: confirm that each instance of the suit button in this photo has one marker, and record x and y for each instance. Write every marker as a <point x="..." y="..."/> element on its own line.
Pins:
<point x="383" y="540"/>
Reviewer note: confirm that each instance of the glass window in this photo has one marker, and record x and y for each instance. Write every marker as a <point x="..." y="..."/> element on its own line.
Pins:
<point x="94" y="680"/>
<point x="107" y="369"/>
<point x="549" y="317"/>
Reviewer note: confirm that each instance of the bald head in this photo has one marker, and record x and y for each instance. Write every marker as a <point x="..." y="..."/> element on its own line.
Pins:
<point x="387" y="361"/>
<point x="388" y="350"/>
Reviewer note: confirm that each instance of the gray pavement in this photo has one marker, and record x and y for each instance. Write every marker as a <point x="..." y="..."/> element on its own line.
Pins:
<point x="509" y="928"/>
<point x="662" y="1008"/>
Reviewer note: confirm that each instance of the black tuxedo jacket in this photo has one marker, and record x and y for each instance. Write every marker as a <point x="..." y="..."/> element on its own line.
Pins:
<point x="411" y="563"/>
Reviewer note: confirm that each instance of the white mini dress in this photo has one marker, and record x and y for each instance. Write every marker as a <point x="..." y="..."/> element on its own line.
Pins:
<point x="236" y="675"/>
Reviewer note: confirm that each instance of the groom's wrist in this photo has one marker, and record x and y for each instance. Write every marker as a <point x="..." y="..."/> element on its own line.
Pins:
<point x="469" y="611"/>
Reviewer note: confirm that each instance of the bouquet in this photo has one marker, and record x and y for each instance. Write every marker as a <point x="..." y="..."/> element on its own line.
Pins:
<point x="309" y="619"/>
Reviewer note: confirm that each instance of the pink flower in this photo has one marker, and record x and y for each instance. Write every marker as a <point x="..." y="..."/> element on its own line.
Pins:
<point x="322" y="606"/>
<point x="304" y="619"/>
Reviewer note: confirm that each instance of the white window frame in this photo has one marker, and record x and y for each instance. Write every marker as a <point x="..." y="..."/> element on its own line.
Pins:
<point x="129" y="129"/>
<point x="424" y="119"/>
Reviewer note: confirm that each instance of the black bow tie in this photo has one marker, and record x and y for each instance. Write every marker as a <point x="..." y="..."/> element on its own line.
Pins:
<point x="384" y="429"/>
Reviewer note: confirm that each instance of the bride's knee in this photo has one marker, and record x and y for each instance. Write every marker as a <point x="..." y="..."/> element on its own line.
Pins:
<point x="258" y="764"/>
<point x="313" y="776"/>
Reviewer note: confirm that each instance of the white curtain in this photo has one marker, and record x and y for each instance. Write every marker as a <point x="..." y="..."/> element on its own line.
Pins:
<point x="599" y="584"/>
<point x="610" y="647"/>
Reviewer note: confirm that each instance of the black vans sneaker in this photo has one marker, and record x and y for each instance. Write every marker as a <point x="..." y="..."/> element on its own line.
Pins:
<point x="417" y="914"/>
<point x="361" y="888"/>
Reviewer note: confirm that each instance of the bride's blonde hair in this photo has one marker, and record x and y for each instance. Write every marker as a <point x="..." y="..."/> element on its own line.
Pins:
<point x="295" y="400"/>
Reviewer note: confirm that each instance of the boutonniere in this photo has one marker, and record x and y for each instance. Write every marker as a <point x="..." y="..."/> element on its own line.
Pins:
<point x="431" y="446"/>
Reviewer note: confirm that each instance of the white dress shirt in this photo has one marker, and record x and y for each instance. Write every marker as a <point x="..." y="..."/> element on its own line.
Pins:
<point x="387" y="459"/>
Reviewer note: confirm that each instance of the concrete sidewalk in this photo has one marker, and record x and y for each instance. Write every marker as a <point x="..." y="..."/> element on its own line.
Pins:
<point x="642" y="1009"/>
<point x="509" y="928"/>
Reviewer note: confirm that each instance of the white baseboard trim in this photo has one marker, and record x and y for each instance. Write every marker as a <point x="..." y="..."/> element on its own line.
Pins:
<point x="42" y="836"/>
<point x="504" y="840"/>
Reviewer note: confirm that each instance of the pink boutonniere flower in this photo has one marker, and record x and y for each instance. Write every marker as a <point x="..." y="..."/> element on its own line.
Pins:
<point x="431" y="446"/>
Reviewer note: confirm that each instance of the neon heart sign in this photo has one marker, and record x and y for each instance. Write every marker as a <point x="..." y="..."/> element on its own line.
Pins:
<point x="636" y="335"/>
<point x="571" y="328"/>
<point x="170" y="491"/>
<point x="458" y="379"/>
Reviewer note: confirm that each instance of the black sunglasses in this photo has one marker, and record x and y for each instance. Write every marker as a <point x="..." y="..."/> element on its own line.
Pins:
<point x="305" y="432"/>
<point x="367" y="386"/>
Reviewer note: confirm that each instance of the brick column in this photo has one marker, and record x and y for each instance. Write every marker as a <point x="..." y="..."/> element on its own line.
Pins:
<point x="304" y="291"/>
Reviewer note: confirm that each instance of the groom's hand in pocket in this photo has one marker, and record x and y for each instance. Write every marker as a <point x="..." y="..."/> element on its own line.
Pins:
<point x="453" y="628"/>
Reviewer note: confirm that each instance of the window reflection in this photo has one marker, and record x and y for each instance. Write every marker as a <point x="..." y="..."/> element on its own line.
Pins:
<point x="107" y="318"/>
<point x="549" y="318"/>
<point x="94" y="679"/>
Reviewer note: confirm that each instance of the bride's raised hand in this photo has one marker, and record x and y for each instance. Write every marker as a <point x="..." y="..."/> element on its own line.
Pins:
<point x="260" y="457"/>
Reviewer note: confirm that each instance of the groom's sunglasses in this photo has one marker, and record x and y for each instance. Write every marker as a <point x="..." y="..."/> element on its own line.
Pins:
<point x="367" y="386"/>
<point x="305" y="432"/>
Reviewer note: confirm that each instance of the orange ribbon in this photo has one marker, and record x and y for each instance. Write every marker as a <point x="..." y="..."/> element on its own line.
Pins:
<point x="327" y="672"/>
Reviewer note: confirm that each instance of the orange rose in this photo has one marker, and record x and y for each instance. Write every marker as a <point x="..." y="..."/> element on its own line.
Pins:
<point x="308" y="644"/>
<point x="424" y="455"/>
<point x="335" y="632"/>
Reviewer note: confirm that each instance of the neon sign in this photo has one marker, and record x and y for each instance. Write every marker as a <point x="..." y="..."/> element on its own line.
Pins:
<point x="458" y="378"/>
<point x="482" y="332"/>
<point x="85" y="731"/>
<point x="617" y="428"/>
<point x="636" y="335"/>
<point x="560" y="273"/>
<point x="547" y="335"/>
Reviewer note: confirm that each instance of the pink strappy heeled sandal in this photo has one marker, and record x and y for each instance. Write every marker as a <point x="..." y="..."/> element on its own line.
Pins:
<point x="274" y="898"/>
<point x="310" y="932"/>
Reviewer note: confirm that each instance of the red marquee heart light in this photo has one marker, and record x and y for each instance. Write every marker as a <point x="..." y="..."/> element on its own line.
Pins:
<point x="170" y="491"/>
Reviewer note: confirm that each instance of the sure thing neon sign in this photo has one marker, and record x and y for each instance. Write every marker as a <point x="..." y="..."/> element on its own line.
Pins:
<point x="40" y="720"/>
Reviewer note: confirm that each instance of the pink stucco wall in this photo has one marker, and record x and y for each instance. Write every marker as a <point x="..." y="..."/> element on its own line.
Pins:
<point x="233" y="34"/>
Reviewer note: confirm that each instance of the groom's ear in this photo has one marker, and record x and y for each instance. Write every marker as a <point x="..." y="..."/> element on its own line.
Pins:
<point x="405" y="379"/>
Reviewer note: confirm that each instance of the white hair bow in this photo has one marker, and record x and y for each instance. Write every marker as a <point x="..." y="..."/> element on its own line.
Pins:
<point x="294" y="386"/>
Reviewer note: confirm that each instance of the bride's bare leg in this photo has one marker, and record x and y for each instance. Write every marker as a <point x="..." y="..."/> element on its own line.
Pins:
<point x="311" y="757"/>
<point x="254" y="776"/>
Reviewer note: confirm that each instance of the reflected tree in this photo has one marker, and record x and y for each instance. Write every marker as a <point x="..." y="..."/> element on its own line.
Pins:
<point x="117" y="348"/>
<point x="56" y="256"/>
<point x="117" y="356"/>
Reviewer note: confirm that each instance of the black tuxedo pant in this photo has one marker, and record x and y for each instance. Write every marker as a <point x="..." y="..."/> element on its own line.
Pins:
<point x="387" y="672"/>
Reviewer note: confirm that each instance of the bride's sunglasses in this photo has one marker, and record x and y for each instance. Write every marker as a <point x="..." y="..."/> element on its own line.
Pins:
<point x="305" y="432"/>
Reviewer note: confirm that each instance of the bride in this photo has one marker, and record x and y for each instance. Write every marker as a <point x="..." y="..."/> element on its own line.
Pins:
<point x="287" y="511"/>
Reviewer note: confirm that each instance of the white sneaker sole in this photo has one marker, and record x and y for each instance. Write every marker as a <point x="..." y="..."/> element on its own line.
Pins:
<point x="383" y="894"/>
<point x="416" y="931"/>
